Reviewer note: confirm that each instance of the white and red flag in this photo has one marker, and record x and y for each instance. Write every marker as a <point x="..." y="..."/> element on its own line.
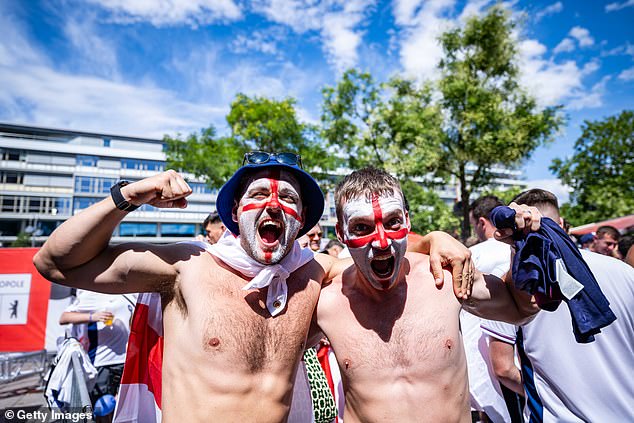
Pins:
<point x="139" y="399"/>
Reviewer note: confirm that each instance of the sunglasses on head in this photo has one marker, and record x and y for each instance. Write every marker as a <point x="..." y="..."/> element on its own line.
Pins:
<point x="261" y="157"/>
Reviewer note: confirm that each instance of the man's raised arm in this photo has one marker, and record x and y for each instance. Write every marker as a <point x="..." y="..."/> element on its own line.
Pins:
<point x="77" y="253"/>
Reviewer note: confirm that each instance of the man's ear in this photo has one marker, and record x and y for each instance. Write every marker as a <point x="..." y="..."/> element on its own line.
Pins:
<point x="303" y="217"/>
<point x="339" y="232"/>
<point x="407" y="221"/>
<point x="234" y="211"/>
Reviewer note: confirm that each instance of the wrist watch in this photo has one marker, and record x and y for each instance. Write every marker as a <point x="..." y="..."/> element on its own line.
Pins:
<point x="117" y="197"/>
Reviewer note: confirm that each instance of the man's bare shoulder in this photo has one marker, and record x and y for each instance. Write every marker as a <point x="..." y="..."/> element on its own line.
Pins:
<point x="331" y="266"/>
<point x="420" y="268"/>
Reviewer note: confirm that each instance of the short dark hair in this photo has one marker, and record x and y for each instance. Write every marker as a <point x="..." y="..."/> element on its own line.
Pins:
<point x="366" y="182"/>
<point x="213" y="217"/>
<point x="608" y="230"/>
<point x="625" y="243"/>
<point x="539" y="198"/>
<point x="481" y="207"/>
<point x="333" y="243"/>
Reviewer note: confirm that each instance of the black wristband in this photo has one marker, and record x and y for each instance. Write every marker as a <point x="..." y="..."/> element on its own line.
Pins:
<point x="117" y="197"/>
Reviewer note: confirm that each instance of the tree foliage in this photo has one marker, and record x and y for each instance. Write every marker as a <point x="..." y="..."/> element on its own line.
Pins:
<point x="601" y="170"/>
<point x="256" y="123"/>
<point x="428" y="212"/>
<point x="474" y="118"/>
<point x="490" y="120"/>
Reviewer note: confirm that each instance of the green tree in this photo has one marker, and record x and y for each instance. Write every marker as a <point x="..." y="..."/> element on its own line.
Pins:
<point x="428" y="212"/>
<point x="381" y="124"/>
<point x="476" y="117"/>
<point x="22" y="240"/>
<point x="601" y="170"/>
<point x="490" y="119"/>
<point x="506" y="196"/>
<point x="256" y="123"/>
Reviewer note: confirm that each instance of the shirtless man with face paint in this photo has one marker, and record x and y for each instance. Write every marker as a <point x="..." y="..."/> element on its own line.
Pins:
<point x="395" y="334"/>
<point x="230" y="353"/>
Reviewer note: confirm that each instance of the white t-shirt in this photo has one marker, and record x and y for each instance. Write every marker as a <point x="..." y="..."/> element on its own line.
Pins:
<point x="573" y="382"/>
<point x="106" y="345"/>
<point x="490" y="257"/>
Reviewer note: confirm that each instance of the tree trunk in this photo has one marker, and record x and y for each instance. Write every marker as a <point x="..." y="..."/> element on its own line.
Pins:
<point x="465" y="227"/>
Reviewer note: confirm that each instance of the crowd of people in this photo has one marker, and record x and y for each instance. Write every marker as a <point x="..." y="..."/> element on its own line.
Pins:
<point x="411" y="341"/>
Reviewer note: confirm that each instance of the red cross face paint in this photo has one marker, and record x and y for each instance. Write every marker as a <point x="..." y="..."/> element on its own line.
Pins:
<point x="269" y="215"/>
<point x="375" y="231"/>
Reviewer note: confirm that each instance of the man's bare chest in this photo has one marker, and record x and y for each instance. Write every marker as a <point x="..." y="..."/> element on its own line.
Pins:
<point x="232" y="324"/>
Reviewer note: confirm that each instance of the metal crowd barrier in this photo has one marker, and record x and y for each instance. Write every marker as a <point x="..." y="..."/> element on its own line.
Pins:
<point x="14" y="366"/>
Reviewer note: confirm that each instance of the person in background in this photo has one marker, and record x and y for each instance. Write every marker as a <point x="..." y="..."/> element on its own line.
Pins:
<point x="566" y="381"/>
<point x="213" y="227"/>
<point x="496" y="395"/>
<point x="606" y="240"/>
<point x="101" y="323"/>
<point x="333" y="248"/>
<point x="586" y="240"/>
<point x="312" y="238"/>
<point x="625" y="249"/>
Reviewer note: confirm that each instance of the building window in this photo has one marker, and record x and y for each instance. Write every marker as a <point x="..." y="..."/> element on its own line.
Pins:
<point x="80" y="203"/>
<point x="178" y="229"/>
<point x="61" y="206"/>
<point x="200" y="188"/>
<point x="9" y="154"/>
<point x="87" y="184"/>
<point x="152" y="165"/>
<point x="86" y="161"/>
<point x="11" y="177"/>
<point x="10" y="204"/>
<point x="137" y="229"/>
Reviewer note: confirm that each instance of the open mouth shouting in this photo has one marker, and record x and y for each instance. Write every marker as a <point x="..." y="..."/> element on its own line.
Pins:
<point x="270" y="232"/>
<point x="383" y="266"/>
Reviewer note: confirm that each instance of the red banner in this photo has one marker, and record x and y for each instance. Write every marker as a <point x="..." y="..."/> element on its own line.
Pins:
<point x="24" y="296"/>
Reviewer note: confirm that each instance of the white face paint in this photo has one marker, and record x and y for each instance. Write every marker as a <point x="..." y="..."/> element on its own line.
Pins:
<point x="375" y="231"/>
<point x="270" y="215"/>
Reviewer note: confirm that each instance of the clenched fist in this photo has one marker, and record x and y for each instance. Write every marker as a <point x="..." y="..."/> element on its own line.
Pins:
<point x="165" y="190"/>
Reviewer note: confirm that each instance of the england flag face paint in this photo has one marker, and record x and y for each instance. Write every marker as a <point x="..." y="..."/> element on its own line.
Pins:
<point x="375" y="231"/>
<point x="270" y="215"/>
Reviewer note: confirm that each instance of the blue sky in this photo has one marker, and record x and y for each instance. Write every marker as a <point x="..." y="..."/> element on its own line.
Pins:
<point x="149" y="68"/>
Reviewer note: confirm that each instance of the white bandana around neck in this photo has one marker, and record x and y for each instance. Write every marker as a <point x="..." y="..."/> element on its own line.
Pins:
<point x="229" y="250"/>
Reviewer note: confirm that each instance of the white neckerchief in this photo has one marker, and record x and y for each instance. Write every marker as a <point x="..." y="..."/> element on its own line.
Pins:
<point x="229" y="250"/>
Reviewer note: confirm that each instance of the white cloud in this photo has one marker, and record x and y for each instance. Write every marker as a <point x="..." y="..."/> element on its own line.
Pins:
<point x="626" y="49"/>
<point x="627" y="74"/>
<point x="549" y="10"/>
<point x="171" y="12"/>
<point x="336" y="22"/>
<point x="590" y="67"/>
<point x="473" y="8"/>
<point x="591" y="99"/>
<point x="218" y="81"/>
<point x="554" y="83"/>
<point x="562" y="192"/>
<point x="266" y="41"/>
<point x="34" y="92"/>
<point x="566" y="45"/>
<point x="95" y="54"/>
<point x="422" y="22"/>
<point x="612" y="7"/>
<point x="582" y="35"/>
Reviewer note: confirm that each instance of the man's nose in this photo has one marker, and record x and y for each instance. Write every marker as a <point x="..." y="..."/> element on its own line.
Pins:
<point x="381" y="242"/>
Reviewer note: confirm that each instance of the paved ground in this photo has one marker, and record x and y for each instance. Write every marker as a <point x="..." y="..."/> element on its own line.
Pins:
<point x="23" y="394"/>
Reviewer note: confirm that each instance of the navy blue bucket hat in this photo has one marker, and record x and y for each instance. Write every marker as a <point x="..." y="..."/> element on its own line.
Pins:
<point x="312" y="197"/>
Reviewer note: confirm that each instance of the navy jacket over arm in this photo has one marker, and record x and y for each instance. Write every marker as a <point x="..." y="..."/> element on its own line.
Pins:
<point x="533" y="271"/>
